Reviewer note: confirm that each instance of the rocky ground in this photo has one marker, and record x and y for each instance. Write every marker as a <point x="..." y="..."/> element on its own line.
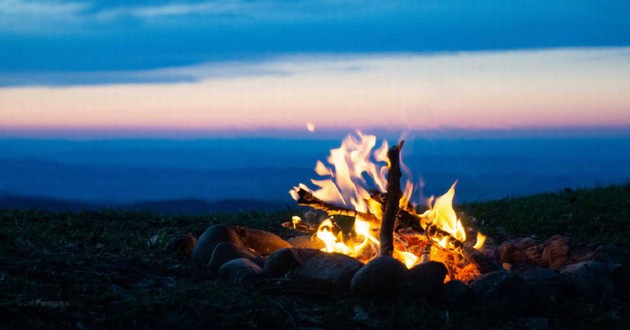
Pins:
<point x="109" y="269"/>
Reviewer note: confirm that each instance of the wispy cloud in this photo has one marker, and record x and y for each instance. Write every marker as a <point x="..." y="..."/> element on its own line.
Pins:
<point x="169" y="10"/>
<point x="50" y="16"/>
<point x="238" y="10"/>
<point x="436" y="68"/>
<point x="40" y="15"/>
<point x="106" y="35"/>
<point x="560" y="87"/>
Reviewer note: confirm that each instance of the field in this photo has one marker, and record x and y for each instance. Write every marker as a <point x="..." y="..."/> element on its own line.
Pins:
<point x="107" y="269"/>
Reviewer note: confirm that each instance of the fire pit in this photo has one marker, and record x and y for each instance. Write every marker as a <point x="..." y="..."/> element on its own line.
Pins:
<point x="363" y="234"/>
<point x="382" y="220"/>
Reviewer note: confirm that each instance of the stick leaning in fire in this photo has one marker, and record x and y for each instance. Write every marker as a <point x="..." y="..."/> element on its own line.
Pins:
<point x="393" y="200"/>
<point x="392" y="213"/>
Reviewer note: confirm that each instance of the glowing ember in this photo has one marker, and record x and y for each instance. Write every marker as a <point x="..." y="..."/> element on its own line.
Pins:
<point x="353" y="186"/>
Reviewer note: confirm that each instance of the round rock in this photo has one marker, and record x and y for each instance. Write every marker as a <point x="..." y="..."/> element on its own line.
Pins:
<point x="500" y="291"/>
<point x="381" y="277"/>
<point x="556" y="253"/>
<point x="210" y="239"/>
<point x="306" y="242"/>
<point x="590" y="279"/>
<point x="241" y="269"/>
<point x="285" y="260"/>
<point x="544" y="283"/>
<point x="181" y="244"/>
<point x="426" y="280"/>
<point x="334" y="268"/>
<point x="226" y="251"/>
<point x="260" y="241"/>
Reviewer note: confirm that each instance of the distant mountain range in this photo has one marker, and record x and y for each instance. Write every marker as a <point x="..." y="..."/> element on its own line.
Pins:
<point x="176" y="206"/>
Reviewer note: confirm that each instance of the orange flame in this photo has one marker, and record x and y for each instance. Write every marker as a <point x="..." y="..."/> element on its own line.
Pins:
<point x="443" y="215"/>
<point x="355" y="168"/>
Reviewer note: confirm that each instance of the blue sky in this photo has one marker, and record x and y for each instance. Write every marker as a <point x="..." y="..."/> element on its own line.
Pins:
<point x="53" y="36"/>
<point x="254" y="65"/>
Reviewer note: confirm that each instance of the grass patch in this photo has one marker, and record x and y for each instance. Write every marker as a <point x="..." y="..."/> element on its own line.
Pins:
<point x="600" y="215"/>
<point x="107" y="270"/>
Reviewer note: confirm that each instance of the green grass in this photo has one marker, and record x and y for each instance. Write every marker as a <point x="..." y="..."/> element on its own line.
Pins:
<point x="107" y="270"/>
<point x="599" y="215"/>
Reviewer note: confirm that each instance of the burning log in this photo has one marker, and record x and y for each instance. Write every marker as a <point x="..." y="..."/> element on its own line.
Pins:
<point x="436" y="234"/>
<point x="407" y="217"/>
<point x="393" y="200"/>
<point x="306" y="198"/>
<point x="385" y="222"/>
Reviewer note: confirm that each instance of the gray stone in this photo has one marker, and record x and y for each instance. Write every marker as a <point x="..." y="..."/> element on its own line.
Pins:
<point x="500" y="291"/>
<point x="426" y="280"/>
<point x="210" y="239"/>
<point x="381" y="277"/>
<point x="590" y="279"/>
<point x="261" y="242"/>
<point x="334" y="268"/>
<point x="285" y="260"/>
<point x="306" y="242"/>
<point x="241" y="269"/>
<point x="226" y="251"/>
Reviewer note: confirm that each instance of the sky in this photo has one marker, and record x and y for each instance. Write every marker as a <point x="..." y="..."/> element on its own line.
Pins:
<point x="171" y="67"/>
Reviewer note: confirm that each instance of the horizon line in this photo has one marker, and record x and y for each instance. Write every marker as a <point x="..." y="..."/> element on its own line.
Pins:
<point x="329" y="132"/>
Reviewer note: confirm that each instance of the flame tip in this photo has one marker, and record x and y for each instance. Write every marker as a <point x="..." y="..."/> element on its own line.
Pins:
<point x="353" y="172"/>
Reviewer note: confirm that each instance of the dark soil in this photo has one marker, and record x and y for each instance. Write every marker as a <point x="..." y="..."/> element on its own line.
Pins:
<point x="108" y="269"/>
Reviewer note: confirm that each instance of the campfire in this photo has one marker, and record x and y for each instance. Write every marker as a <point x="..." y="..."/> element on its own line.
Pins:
<point x="365" y="213"/>
<point x="369" y="237"/>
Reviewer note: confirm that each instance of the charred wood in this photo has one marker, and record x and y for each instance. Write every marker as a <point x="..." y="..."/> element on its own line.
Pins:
<point x="306" y="198"/>
<point x="393" y="199"/>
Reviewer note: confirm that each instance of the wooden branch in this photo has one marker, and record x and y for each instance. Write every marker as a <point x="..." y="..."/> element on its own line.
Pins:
<point x="306" y="198"/>
<point x="436" y="234"/>
<point x="392" y="200"/>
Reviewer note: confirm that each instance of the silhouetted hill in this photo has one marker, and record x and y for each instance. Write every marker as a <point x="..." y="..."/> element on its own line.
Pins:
<point x="198" y="206"/>
<point x="178" y="206"/>
<point x="13" y="202"/>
